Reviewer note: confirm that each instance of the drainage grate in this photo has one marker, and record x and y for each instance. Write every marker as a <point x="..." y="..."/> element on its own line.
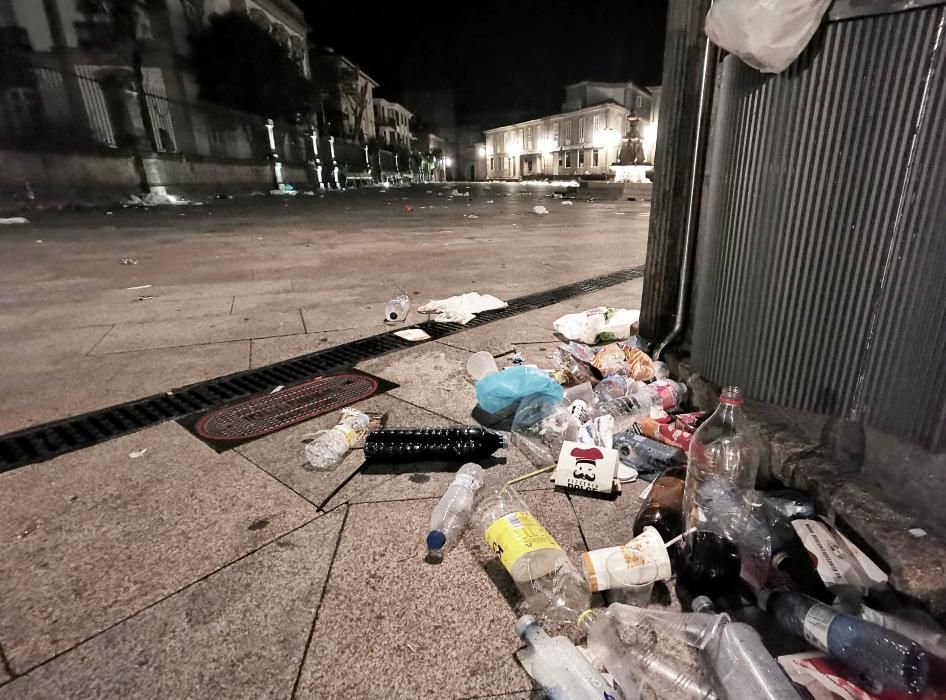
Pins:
<point x="49" y="440"/>
<point x="227" y="427"/>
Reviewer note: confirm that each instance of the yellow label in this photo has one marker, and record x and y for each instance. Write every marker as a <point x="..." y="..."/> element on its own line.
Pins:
<point x="515" y="534"/>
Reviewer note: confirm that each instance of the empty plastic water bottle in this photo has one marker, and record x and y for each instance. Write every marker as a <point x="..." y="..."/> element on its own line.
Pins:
<point x="401" y="445"/>
<point x="452" y="513"/>
<point x="626" y="411"/>
<point x="329" y="447"/>
<point x="557" y="665"/>
<point x="397" y="308"/>
<point x="884" y="656"/>
<point x="629" y="651"/>
<point x="550" y="584"/>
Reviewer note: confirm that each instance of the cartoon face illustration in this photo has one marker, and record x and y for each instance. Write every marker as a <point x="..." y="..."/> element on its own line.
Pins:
<point x="585" y="461"/>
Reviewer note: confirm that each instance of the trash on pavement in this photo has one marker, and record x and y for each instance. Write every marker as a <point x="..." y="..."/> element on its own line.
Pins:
<point x="129" y="261"/>
<point x="663" y="505"/>
<point x="140" y="286"/>
<point x="453" y="511"/>
<point x="14" y="220"/>
<point x="461" y="308"/>
<point x="402" y="445"/>
<point x="598" y="325"/>
<point x="544" y="574"/>
<point x="414" y="335"/>
<point x="397" y="308"/>
<point x="457" y="193"/>
<point x="642" y="560"/>
<point x="567" y="202"/>
<point x="767" y="36"/>
<point x="539" y="209"/>
<point x="143" y="298"/>
<point x="584" y="468"/>
<point x="481" y="364"/>
<point x="138" y="453"/>
<point x="329" y="447"/>
<point x="494" y="392"/>
<point x="408" y="208"/>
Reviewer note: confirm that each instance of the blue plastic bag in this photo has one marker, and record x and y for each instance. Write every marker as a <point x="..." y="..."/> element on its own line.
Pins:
<point x="501" y="389"/>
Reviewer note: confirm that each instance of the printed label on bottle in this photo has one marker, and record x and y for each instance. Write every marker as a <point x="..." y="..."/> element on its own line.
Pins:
<point x="347" y="432"/>
<point x="515" y="534"/>
<point x="815" y="627"/>
<point x="668" y="395"/>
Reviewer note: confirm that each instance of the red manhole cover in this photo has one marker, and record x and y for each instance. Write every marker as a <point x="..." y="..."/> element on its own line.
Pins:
<point x="262" y="415"/>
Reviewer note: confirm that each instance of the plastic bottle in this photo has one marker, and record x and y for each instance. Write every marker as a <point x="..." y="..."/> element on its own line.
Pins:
<point x="400" y="445"/>
<point x="633" y="659"/>
<point x="397" y="308"/>
<point x="655" y="453"/>
<point x="884" y="656"/>
<point x="665" y="393"/>
<point x="452" y="513"/>
<point x="329" y="447"/>
<point x="557" y="665"/>
<point x="626" y="411"/>
<point x="613" y="387"/>
<point x="739" y="660"/>
<point x="551" y="585"/>
<point x="663" y="509"/>
<point x="722" y="468"/>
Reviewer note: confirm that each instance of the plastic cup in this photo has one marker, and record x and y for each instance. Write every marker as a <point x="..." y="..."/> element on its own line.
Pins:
<point x="481" y="364"/>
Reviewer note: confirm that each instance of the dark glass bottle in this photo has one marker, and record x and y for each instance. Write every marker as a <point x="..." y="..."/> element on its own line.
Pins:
<point x="402" y="445"/>
<point x="709" y="564"/>
<point x="664" y="507"/>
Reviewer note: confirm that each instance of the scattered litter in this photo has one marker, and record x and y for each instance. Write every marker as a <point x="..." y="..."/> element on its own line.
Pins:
<point x="471" y="216"/>
<point x="408" y="208"/>
<point x="620" y="213"/>
<point x="489" y="201"/>
<point x="145" y="298"/>
<point x="457" y="193"/>
<point x="414" y="335"/>
<point x="539" y="209"/>
<point x="462" y="308"/>
<point x="138" y="453"/>
<point x="329" y="447"/>
<point x="599" y="325"/>
<point x="917" y="532"/>
<point x="429" y="192"/>
<point x="412" y="648"/>
<point x="140" y="286"/>
<point x="15" y="220"/>
<point x="277" y="389"/>
<point x="129" y="261"/>
<point x="568" y="202"/>
<point x="39" y="240"/>
<point x="156" y="199"/>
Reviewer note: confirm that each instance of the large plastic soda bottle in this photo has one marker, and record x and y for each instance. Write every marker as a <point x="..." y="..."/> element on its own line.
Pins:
<point x="452" y="513"/>
<point x="559" y="667"/>
<point x="721" y="472"/>
<point x="549" y="582"/>
<point x="401" y="445"/>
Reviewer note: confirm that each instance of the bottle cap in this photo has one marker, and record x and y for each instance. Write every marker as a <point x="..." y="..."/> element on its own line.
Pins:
<point x="524" y="623"/>
<point x="436" y="540"/>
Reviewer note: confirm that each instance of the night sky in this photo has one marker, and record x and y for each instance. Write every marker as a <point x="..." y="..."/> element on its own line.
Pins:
<point x="506" y="60"/>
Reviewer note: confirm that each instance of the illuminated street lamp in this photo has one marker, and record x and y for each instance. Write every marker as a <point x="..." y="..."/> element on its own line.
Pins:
<point x="482" y="151"/>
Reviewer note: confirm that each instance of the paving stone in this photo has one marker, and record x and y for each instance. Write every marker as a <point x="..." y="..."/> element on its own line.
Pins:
<point x="239" y="633"/>
<point x="41" y="394"/>
<point x="418" y="630"/>
<point x="501" y="337"/>
<point x="282" y="454"/>
<point x="166" y="334"/>
<point x="432" y="376"/>
<point x="266" y="351"/>
<point x="608" y="522"/>
<point x="45" y="347"/>
<point x="94" y="536"/>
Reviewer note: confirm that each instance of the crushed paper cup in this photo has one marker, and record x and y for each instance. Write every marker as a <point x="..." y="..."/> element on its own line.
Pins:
<point x="642" y="560"/>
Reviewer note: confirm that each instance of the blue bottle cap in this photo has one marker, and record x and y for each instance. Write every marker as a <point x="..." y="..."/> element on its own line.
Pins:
<point x="436" y="540"/>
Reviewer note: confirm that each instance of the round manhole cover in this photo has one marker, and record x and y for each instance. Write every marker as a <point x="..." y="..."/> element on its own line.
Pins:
<point x="266" y="414"/>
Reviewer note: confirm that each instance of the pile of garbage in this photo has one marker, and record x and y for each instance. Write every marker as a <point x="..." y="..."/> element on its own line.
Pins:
<point x="602" y="414"/>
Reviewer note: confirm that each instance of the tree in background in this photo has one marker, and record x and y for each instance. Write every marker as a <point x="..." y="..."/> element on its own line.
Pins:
<point x="239" y="65"/>
<point x="354" y="95"/>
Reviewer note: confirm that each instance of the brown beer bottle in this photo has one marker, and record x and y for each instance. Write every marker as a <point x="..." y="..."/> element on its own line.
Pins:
<point x="663" y="509"/>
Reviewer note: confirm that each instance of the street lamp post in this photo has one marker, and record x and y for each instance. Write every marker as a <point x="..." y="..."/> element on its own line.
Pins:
<point x="331" y="145"/>
<point x="314" y="135"/>
<point x="273" y="156"/>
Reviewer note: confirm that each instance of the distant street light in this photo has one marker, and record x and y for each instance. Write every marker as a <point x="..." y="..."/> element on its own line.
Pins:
<point x="482" y="151"/>
<point x="448" y="161"/>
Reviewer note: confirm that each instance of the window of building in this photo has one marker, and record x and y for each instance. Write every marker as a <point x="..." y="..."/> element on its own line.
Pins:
<point x="581" y="158"/>
<point x="555" y="134"/>
<point x="640" y="101"/>
<point x="581" y="130"/>
<point x="502" y="143"/>
<point x="568" y="132"/>
<point x="595" y="124"/>
<point x="561" y="159"/>
<point x="529" y="139"/>
<point x="540" y="135"/>
<point x="594" y="158"/>
<point x="568" y="159"/>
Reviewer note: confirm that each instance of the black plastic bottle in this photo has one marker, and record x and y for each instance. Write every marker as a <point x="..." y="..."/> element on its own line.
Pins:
<point x="401" y="445"/>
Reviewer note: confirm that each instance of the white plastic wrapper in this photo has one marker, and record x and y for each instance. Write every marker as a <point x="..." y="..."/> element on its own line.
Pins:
<point x="767" y="34"/>
<point x="599" y="325"/>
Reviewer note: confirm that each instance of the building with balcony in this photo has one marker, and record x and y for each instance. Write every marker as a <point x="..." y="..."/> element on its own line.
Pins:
<point x="392" y="123"/>
<point x="351" y="92"/>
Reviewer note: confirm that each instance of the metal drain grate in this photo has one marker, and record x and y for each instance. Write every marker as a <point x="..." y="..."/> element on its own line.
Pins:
<point x="50" y="440"/>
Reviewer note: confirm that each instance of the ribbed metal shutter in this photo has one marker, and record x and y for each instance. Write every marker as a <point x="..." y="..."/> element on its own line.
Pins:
<point x="828" y="192"/>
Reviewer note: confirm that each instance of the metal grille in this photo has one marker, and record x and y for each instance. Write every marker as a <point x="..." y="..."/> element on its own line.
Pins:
<point x="52" y="439"/>
<point x="826" y="195"/>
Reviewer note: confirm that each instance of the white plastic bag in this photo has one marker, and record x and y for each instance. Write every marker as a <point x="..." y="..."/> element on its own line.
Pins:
<point x="599" y="325"/>
<point x="766" y="34"/>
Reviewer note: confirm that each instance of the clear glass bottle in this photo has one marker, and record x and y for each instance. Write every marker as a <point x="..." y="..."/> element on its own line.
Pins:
<point x="551" y="585"/>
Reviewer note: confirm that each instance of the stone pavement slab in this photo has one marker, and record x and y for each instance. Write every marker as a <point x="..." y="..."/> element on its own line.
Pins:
<point x="626" y="295"/>
<point x="500" y="337"/>
<point x="94" y="536"/>
<point x="89" y="383"/>
<point x="239" y="633"/>
<point x="432" y="376"/>
<point x="415" y="630"/>
<point x="167" y="334"/>
<point x="266" y="351"/>
<point x="282" y="454"/>
<point x="49" y="346"/>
